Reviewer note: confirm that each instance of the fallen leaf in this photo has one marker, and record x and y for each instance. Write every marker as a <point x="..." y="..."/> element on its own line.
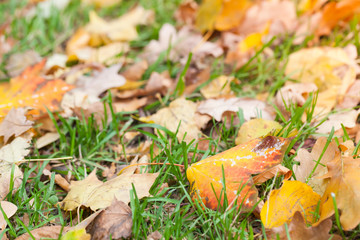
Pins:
<point x="115" y="222"/>
<point x="130" y="104"/>
<point x="297" y="229"/>
<point x="344" y="185"/>
<point x="255" y="128"/>
<point x="18" y="62"/>
<point x="31" y="90"/>
<point x="331" y="69"/>
<point x="59" y="180"/>
<point x="348" y="119"/>
<point x="89" y="88"/>
<point x="15" y="123"/>
<point x="76" y="234"/>
<point x="207" y="14"/>
<point x="276" y="171"/>
<point x="219" y="86"/>
<point x="282" y="204"/>
<point x="182" y="43"/>
<point x="10" y="154"/>
<point x="93" y="193"/>
<point x="251" y="108"/>
<point x="295" y="94"/>
<point x="180" y="116"/>
<point x="308" y="161"/>
<point x="186" y="12"/>
<point x="135" y="72"/>
<point x="102" y="3"/>
<point x="334" y="12"/>
<point x="154" y="236"/>
<point x="352" y="96"/>
<point x="281" y="15"/>
<point x="238" y="164"/>
<point x="47" y="139"/>
<point x="9" y="210"/>
<point x="45" y="232"/>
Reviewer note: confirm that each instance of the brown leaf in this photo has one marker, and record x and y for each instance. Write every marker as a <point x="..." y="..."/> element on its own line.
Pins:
<point x="344" y="185"/>
<point x="46" y="232"/>
<point x="114" y="222"/>
<point x="135" y="72"/>
<point x="251" y="108"/>
<point x="18" y="62"/>
<point x="308" y="161"/>
<point x="154" y="236"/>
<point x="348" y="119"/>
<point x="297" y="229"/>
<point x="15" y="123"/>
<point x="186" y="12"/>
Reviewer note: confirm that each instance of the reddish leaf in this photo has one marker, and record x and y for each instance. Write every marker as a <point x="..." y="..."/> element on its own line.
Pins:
<point x="238" y="164"/>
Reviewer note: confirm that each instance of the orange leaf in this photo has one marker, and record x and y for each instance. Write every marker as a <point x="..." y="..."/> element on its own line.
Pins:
<point x="31" y="90"/>
<point x="238" y="164"/>
<point x="334" y="12"/>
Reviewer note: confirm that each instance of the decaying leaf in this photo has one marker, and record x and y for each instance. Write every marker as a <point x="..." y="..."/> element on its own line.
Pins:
<point x="31" y="90"/>
<point x="45" y="232"/>
<point x="297" y="229"/>
<point x="251" y="108"/>
<point x="255" y="128"/>
<point x="308" y="161"/>
<point x="238" y="164"/>
<point x="9" y="209"/>
<point x="114" y="222"/>
<point x="18" y="62"/>
<point x="93" y="193"/>
<point x="14" y="124"/>
<point x="181" y="112"/>
<point x="283" y="203"/>
<point x="344" y="186"/>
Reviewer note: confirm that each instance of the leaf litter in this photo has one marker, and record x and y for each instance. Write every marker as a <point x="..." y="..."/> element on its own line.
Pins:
<point x="163" y="88"/>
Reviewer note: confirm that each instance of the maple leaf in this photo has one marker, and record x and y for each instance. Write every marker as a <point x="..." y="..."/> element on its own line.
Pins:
<point x="284" y="202"/>
<point x="238" y="163"/>
<point x="31" y="90"/>
<point x="344" y="185"/>
<point x="93" y="193"/>
<point x="44" y="232"/>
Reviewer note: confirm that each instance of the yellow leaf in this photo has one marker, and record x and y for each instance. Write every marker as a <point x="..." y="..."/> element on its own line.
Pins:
<point x="219" y="86"/>
<point x="207" y="14"/>
<point x="102" y="3"/>
<point x="77" y="234"/>
<point x="233" y="11"/>
<point x="283" y="203"/>
<point x="256" y="128"/>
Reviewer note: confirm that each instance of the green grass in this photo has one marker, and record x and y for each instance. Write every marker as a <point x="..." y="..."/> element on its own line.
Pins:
<point x="170" y="211"/>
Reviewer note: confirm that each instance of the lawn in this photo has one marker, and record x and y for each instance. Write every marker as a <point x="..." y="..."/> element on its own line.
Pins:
<point x="179" y="119"/>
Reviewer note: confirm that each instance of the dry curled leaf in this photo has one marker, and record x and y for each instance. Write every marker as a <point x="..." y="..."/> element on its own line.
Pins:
<point x="45" y="232"/>
<point x="238" y="164"/>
